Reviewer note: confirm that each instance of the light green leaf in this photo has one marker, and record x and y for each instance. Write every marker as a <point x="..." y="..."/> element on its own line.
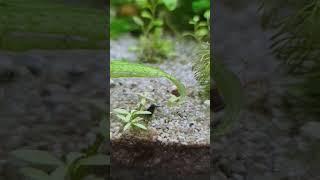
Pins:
<point x="123" y="118"/>
<point x="138" y="21"/>
<point x="37" y="157"/>
<point x="142" y="3"/>
<point x="196" y="18"/>
<point x="170" y="4"/>
<point x="128" y="117"/>
<point x="140" y="126"/>
<point x="123" y="69"/>
<point x="127" y="126"/>
<point x="34" y="174"/>
<point x="202" y="24"/>
<point x="158" y="22"/>
<point x="96" y="160"/>
<point x="59" y="173"/>
<point x="207" y="14"/>
<point x="146" y="14"/>
<point x="137" y="119"/>
<point x="202" y="32"/>
<point x="143" y="112"/>
<point x="121" y="111"/>
<point x="192" y="22"/>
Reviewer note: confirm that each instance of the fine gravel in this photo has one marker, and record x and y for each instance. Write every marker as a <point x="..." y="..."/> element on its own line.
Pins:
<point x="186" y="123"/>
<point x="41" y="105"/>
<point x="266" y="141"/>
<point x="176" y="144"/>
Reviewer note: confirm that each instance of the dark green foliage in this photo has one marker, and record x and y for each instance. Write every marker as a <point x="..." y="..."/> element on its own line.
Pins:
<point x="201" y="68"/>
<point x="199" y="6"/>
<point x="201" y="65"/>
<point x="29" y="24"/>
<point x="153" y="47"/>
<point x="296" y="42"/>
<point x="72" y="166"/>
<point x="121" y="26"/>
<point x="229" y="86"/>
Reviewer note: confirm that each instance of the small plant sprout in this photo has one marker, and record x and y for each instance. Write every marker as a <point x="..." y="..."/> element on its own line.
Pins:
<point x="132" y="119"/>
<point x="144" y="100"/>
<point x="173" y="100"/>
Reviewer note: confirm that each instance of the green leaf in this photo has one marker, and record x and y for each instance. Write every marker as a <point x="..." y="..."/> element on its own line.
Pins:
<point x="72" y="156"/>
<point x="127" y="126"/>
<point x="123" y="118"/>
<point x="207" y="14"/>
<point x="59" y="173"/>
<point x="170" y="4"/>
<point x="140" y="126"/>
<point x="202" y="24"/>
<point x="143" y="112"/>
<point x="142" y="3"/>
<point x="123" y="69"/>
<point x="37" y="157"/>
<point x="103" y="127"/>
<point x="34" y="174"/>
<point x="200" y="5"/>
<point x="196" y="18"/>
<point x="128" y="117"/>
<point x="137" y="119"/>
<point x="202" y="32"/>
<point x="96" y="160"/>
<point x="121" y="111"/>
<point x="158" y="22"/>
<point x="146" y="14"/>
<point x="138" y="21"/>
<point x="192" y="22"/>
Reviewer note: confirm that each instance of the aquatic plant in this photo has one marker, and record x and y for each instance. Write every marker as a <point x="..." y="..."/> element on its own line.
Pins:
<point x="124" y="69"/>
<point x="72" y="166"/>
<point x="201" y="28"/>
<point x="144" y="100"/>
<point x="296" y="43"/>
<point x="201" y="69"/>
<point x="132" y="119"/>
<point x="201" y="65"/>
<point x="229" y="86"/>
<point x="152" y="46"/>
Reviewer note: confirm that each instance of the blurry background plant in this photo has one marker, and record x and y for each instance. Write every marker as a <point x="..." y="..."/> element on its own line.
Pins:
<point x="201" y="64"/>
<point x="49" y="24"/>
<point x="72" y="166"/>
<point x="296" y="43"/>
<point x="152" y="46"/>
<point x="174" y="21"/>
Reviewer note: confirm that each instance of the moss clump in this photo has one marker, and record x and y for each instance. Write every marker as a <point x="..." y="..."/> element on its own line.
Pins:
<point x="201" y="68"/>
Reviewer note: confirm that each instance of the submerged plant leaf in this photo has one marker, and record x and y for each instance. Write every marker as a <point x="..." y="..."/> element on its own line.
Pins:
<point x="123" y="69"/>
<point x="34" y="174"/>
<point x="59" y="173"/>
<point x="230" y="88"/>
<point x="96" y="160"/>
<point x="170" y="4"/>
<point x="37" y="157"/>
<point x="141" y="126"/>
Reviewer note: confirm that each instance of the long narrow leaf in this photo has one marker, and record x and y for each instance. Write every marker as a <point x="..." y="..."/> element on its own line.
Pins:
<point x="34" y="174"/>
<point x="230" y="88"/>
<point x="37" y="157"/>
<point x="123" y="69"/>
